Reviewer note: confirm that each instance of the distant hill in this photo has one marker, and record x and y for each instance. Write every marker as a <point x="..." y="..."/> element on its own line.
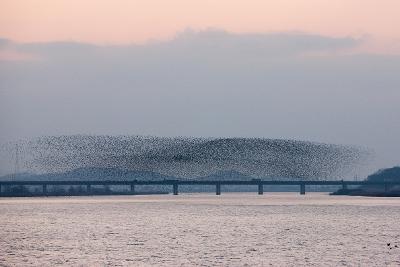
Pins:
<point x="226" y="175"/>
<point x="102" y="174"/>
<point x="91" y="173"/>
<point x="390" y="174"/>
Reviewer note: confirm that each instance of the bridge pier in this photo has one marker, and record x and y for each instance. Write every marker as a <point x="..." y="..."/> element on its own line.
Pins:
<point x="132" y="188"/>
<point x="106" y="187"/>
<point x="260" y="189"/>
<point x="44" y="190"/>
<point x="218" y="189"/>
<point x="175" y="189"/>
<point x="302" y="189"/>
<point x="344" y="187"/>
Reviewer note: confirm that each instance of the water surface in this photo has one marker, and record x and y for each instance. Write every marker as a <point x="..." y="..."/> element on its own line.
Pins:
<point x="234" y="229"/>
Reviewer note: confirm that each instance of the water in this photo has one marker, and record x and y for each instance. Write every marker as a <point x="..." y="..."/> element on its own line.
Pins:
<point x="276" y="229"/>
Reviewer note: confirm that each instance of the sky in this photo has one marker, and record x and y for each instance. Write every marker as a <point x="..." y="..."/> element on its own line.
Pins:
<point x="137" y="21"/>
<point x="324" y="71"/>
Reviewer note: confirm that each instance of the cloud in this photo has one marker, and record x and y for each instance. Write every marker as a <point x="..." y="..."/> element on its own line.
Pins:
<point x="203" y="43"/>
<point x="4" y="42"/>
<point x="287" y="43"/>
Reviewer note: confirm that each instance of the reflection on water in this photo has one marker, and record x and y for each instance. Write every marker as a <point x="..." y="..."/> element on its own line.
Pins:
<point x="276" y="229"/>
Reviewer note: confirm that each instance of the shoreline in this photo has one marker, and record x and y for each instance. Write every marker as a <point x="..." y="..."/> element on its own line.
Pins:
<point x="363" y="193"/>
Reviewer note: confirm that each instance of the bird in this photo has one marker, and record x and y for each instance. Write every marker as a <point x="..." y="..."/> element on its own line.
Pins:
<point x="388" y="244"/>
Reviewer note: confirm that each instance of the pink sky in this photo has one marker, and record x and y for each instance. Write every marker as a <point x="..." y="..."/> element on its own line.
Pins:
<point x="136" y="21"/>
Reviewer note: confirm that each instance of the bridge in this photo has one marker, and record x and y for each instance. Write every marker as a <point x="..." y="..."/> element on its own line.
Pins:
<point x="217" y="183"/>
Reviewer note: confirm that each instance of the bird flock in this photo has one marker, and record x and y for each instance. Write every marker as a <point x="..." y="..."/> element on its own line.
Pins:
<point x="189" y="157"/>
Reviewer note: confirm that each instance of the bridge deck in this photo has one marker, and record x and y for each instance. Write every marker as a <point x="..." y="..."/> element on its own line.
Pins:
<point x="200" y="182"/>
<point x="217" y="183"/>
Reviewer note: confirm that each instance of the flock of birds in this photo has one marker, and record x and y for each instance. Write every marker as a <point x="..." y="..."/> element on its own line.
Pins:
<point x="188" y="157"/>
<point x="391" y="246"/>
